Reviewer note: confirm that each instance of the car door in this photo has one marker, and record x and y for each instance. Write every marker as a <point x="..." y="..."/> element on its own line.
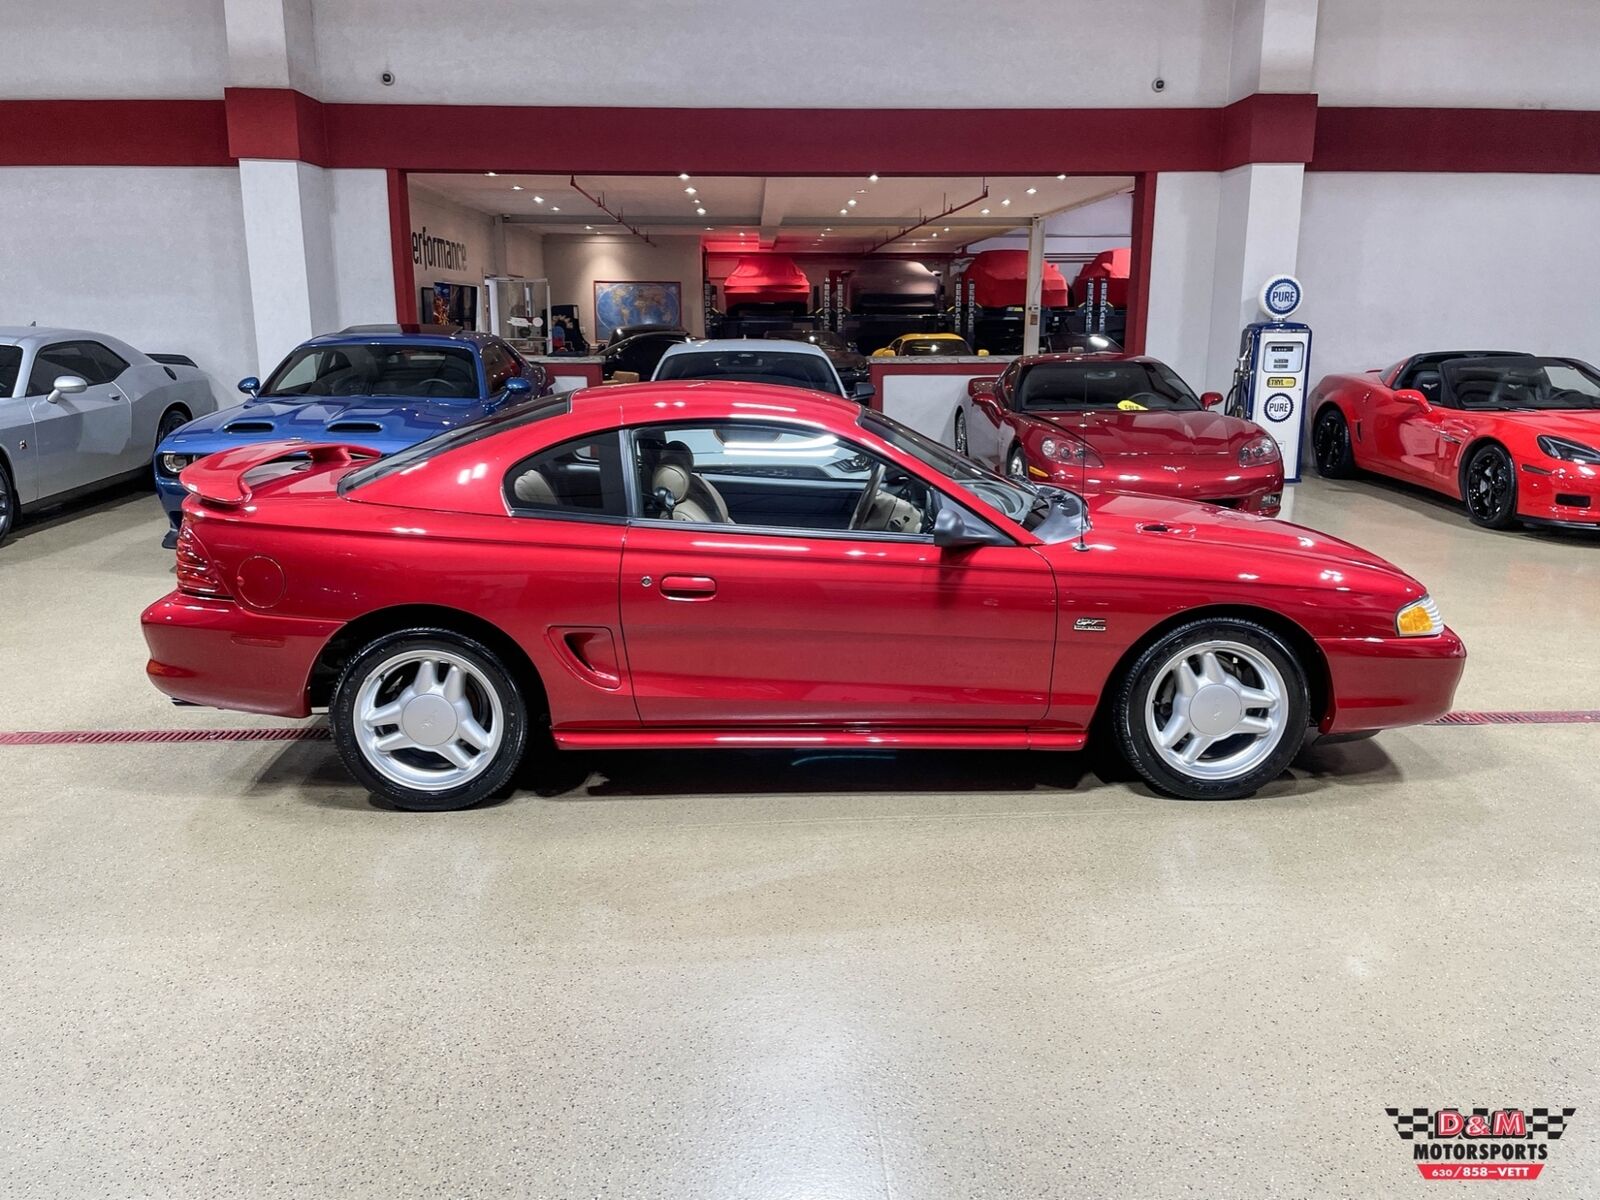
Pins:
<point x="791" y="616"/>
<point x="84" y="438"/>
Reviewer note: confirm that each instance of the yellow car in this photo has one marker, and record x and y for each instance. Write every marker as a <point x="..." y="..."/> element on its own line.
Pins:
<point x="924" y="345"/>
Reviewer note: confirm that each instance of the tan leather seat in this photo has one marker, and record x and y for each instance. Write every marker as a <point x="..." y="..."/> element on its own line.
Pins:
<point x="693" y="498"/>
<point x="890" y="514"/>
<point x="531" y="487"/>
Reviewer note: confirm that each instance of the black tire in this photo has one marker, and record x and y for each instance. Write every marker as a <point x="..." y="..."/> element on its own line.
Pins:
<point x="1016" y="464"/>
<point x="172" y="420"/>
<point x="1330" y="444"/>
<point x="959" y="437"/>
<point x="1133" y="694"/>
<point x="493" y="780"/>
<point x="8" y="503"/>
<point x="1489" y="487"/>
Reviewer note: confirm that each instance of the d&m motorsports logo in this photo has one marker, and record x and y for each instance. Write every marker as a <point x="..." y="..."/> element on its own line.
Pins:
<point x="1480" y="1143"/>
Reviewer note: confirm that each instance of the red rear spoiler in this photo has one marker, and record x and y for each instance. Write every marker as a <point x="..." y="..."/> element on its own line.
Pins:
<point x="219" y="478"/>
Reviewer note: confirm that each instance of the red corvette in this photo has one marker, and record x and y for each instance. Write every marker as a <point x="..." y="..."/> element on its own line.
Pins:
<point x="724" y="564"/>
<point x="1118" y="423"/>
<point x="1513" y="436"/>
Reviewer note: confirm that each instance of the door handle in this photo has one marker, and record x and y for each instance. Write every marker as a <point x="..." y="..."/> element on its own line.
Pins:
<point x="688" y="587"/>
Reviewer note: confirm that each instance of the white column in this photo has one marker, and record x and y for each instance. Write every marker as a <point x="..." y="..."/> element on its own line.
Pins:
<point x="1033" y="296"/>
<point x="271" y="44"/>
<point x="1258" y="234"/>
<point x="289" y="247"/>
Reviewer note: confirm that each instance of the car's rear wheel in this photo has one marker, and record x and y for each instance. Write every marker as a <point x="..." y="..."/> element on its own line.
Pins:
<point x="172" y="420"/>
<point x="429" y="720"/>
<point x="1213" y="710"/>
<point x="1489" y="487"/>
<point x="1017" y="465"/>
<point x="8" y="503"/>
<point x="960" y="438"/>
<point x="1330" y="443"/>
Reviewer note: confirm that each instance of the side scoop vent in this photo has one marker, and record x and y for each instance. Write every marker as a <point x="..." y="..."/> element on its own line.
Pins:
<point x="355" y="427"/>
<point x="249" y="427"/>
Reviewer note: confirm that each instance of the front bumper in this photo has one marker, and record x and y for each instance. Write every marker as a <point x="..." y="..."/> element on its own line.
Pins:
<point x="219" y="654"/>
<point x="1567" y="495"/>
<point x="1381" y="683"/>
<point x="1256" y="490"/>
<point x="171" y="493"/>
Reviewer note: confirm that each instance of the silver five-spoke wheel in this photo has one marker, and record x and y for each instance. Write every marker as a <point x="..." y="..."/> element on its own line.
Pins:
<point x="1216" y="710"/>
<point x="428" y="719"/>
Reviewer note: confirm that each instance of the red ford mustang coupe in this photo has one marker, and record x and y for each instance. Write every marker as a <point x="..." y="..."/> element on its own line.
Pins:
<point x="1113" y="423"/>
<point x="706" y="564"/>
<point x="1514" y="436"/>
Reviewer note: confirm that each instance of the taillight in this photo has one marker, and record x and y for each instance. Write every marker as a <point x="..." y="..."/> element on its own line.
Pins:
<point x="197" y="574"/>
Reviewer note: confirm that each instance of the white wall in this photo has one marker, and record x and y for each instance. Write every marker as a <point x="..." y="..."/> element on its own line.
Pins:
<point x="438" y="217"/>
<point x="732" y="53"/>
<point x="152" y="255"/>
<point x="575" y="263"/>
<point x="1182" y="271"/>
<point x="363" y="263"/>
<point x="1397" y="264"/>
<point x="524" y="253"/>
<point x="1458" y="53"/>
<point x="106" y="49"/>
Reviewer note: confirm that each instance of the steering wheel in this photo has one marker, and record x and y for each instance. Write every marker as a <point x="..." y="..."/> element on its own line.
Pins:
<point x="868" y="495"/>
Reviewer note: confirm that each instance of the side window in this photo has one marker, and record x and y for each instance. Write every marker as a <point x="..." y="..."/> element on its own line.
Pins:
<point x="1008" y="381"/>
<point x="497" y="365"/>
<point x="580" y="478"/>
<point x="63" y="358"/>
<point x="775" y="477"/>
<point x="108" y="362"/>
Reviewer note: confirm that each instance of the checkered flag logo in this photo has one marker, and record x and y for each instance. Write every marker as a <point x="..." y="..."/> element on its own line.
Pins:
<point x="1551" y="1122"/>
<point x="1410" y="1124"/>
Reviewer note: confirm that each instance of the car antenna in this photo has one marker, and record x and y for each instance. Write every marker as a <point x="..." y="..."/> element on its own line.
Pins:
<point x="1083" y="474"/>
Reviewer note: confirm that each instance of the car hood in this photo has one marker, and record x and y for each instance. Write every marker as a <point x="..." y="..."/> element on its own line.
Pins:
<point x="1579" y="426"/>
<point x="1113" y="433"/>
<point x="1180" y="521"/>
<point x="372" y="421"/>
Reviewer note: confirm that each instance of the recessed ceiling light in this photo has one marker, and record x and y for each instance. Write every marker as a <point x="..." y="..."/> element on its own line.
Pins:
<point x="555" y="208"/>
<point x="851" y="203"/>
<point x="691" y="191"/>
<point x="589" y="227"/>
<point x="933" y="235"/>
<point x="1033" y="191"/>
<point x="984" y="212"/>
<point x="1005" y="202"/>
<point x="1060" y="176"/>
<point x="538" y="199"/>
<point x="684" y="177"/>
<point x="843" y="212"/>
<point x="947" y="229"/>
<point x="516" y="187"/>
<point x="700" y="212"/>
<point x="708" y="229"/>
<point x="491" y="174"/>
<point x="872" y="178"/>
<point x="829" y="229"/>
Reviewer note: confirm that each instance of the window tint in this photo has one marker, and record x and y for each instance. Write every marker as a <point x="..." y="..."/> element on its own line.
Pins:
<point x="10" y="368"/>
<point x="752" y="366"/>
<point x="88" y="360"/>
<point x="580" y="478"/>
<point x="440" y="372"/>
<point x="498" y="366"/>
<point x="1102" y="385"/>
<point x="775" y="477"/>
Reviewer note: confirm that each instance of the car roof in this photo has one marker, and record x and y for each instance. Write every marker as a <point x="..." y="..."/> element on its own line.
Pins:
<point x="1088" y="356"/>
<point x="747" y="346"/>
<point x="641" y="403"/>
<point x="931" y="337"/>
<point x="20" y="335"/>
<point x="414" y="335"/>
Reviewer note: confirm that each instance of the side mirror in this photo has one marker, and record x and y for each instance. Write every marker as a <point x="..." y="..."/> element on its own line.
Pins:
<point x="518" y="388"/>
<point x="980" y="389"/>
<point x="864" y="392"/>
<point x="66" y="385"/>
<point x="1211" y="399"/>
<point x="250" y="385"/>
<point x="950" y="531"/>
<point x="1411" y="396"/>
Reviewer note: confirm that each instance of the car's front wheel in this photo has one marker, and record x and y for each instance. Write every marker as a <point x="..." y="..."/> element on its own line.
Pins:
<point x="1330" y="440"/>
<point x="1490" y="488"/>
<point x="1017" y="465"/>
<point x="960" y="438"/>
<point x="429" y="720"/>
<point x="1213" y="710"/>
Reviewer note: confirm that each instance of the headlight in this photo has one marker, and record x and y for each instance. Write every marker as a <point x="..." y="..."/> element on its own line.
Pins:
<point x="1259" y="450"/>
<point x="173" y="464"/>
<point x="1569" y="451"/>
<point x="1420" y="618"/>
<point x="1070" y="451"/>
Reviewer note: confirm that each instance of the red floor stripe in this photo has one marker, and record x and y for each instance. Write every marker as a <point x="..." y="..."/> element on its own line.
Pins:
<point x="319" y="733"/>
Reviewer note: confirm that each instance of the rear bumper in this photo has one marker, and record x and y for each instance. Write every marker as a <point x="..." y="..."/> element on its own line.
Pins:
<point x="219" y="654"/>
<point x="1381" y="683"/>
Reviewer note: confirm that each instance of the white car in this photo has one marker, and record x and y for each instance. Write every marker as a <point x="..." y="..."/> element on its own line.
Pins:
<point x="747" y="360"/>
<point x="79" y="410"/>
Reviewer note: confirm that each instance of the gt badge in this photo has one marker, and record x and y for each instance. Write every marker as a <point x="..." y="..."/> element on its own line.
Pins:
<point x="1090" y="625"/>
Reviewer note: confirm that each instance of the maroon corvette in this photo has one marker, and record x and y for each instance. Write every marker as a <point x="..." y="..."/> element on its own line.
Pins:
<point x="1120" y="423"/>
<point x="698" y="564"/>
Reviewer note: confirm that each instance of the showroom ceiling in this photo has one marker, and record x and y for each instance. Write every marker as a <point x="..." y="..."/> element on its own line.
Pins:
<point x="844" y="214"/>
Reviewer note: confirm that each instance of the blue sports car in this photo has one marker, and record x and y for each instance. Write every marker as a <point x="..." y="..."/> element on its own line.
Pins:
<point x="384" y="387"/>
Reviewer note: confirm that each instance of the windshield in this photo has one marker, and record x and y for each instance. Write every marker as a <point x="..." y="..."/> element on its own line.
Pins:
<point x="1051" y="514"/>
<point x="1526" y="384"/>
<point x="932" y="346"/>
<point x="824" y="338"/>
<point x="377" y="369"/>
<point x="453" y="439"/>
<point x="1125" y="386"/>
<point x="787" y="368"/>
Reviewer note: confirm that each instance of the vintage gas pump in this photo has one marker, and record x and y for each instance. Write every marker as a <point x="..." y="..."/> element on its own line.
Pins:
<point x="1271" y="377"/>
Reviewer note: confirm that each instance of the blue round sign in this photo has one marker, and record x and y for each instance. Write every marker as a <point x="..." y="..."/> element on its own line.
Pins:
<point x="1280" y="296"/>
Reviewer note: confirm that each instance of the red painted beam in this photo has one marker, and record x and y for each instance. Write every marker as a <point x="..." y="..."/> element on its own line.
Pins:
<point x="113" y="133"/>
<point x="1416" y="140"/>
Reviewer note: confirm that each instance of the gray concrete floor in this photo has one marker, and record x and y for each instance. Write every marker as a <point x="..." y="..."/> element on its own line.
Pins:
<point x="224" y="972"/>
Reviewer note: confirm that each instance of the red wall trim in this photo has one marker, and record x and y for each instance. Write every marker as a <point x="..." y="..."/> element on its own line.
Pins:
<point x="1268" y="128"/>
<point x="405" y="279"/>
<point x="113" y="133"/>
<point x="1144" y="228"/>
<point x="275" y="123"/>
<point x="1457" y="139"/>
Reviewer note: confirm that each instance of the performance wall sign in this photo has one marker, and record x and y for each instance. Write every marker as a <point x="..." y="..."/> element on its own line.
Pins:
<point x="438" y="252"/>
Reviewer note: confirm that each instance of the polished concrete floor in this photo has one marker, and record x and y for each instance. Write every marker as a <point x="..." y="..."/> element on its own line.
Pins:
<point x="224" y="972"/>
